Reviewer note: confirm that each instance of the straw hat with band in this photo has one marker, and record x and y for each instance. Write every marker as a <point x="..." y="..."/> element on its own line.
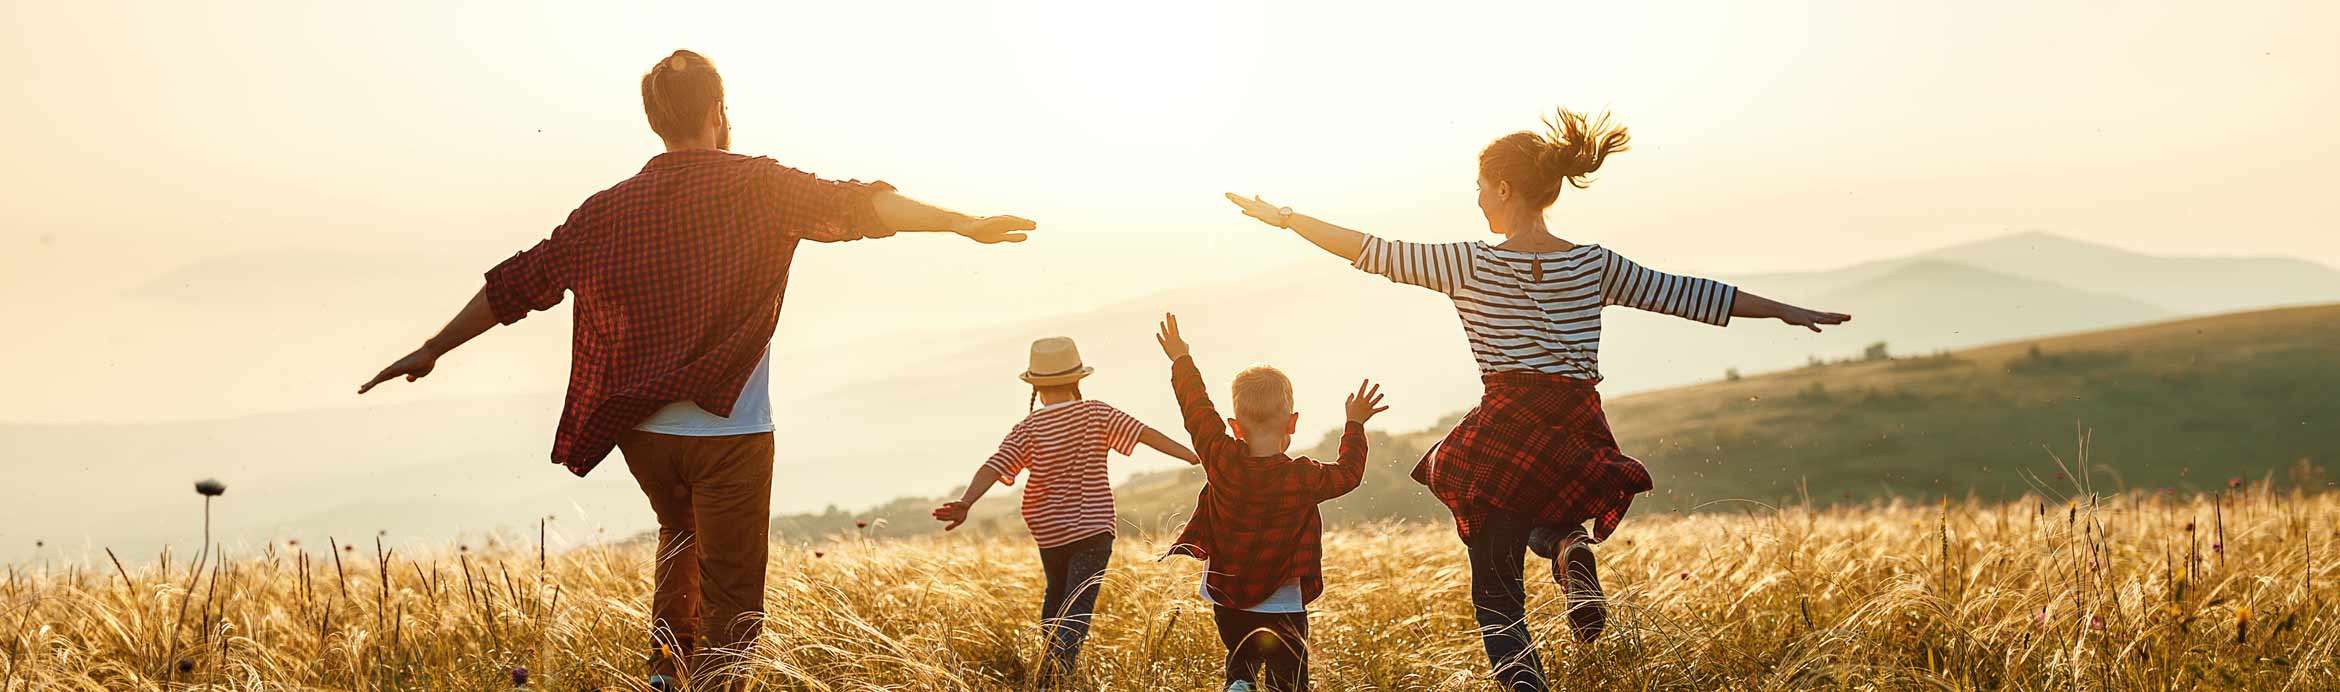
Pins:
<point x="1055" y="362"/>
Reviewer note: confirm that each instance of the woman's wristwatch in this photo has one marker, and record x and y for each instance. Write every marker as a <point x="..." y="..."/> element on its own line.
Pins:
<point x="1285" y="221"/>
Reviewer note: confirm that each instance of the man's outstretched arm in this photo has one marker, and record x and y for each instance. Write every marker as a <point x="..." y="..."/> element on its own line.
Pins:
<point x="475" y="317"/>
<point x="904" y="214"/>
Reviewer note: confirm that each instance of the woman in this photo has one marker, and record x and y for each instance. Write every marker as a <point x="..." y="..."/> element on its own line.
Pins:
<point x="1535" y="460"/>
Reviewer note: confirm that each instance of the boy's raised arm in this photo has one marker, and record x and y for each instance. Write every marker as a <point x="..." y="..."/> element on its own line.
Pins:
<point x="1349" y="470"/>
<point x="1203" y="425"/>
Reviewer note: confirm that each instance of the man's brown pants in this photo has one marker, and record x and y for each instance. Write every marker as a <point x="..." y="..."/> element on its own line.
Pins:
<point x="713" y="497"/>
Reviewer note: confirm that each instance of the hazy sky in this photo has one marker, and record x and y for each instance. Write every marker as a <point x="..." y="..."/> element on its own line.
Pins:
<point x="344" y="171"/>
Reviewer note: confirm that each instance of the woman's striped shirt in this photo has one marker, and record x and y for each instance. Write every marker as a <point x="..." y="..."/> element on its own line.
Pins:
<point x="1063" y="445"/>
<point x="1541" y="311"/>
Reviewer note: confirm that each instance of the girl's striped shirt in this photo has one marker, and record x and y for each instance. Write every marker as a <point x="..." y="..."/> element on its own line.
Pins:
<point x="1063" y="445"/>
<point x="1541" y="311"/>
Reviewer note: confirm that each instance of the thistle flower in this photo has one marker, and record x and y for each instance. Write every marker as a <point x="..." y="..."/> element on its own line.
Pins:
<point x="520" y="677"/>
<point x="210" y="487"/>
<point x="818" y="554"/>
<point x="860" y="523"/>
<point x="2234" y="483"/>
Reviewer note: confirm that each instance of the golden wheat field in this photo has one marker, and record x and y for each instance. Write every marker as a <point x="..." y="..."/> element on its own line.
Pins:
<point x="2232" y="590"/>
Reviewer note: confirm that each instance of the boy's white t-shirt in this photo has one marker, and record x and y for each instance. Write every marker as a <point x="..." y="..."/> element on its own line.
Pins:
<point x="751" y="414"/>
<point x="1286" y="599"/>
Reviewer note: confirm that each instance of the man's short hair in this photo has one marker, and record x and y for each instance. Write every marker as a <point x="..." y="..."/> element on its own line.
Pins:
<point x="679" y="92"/>
<point x="1263" y="395"/>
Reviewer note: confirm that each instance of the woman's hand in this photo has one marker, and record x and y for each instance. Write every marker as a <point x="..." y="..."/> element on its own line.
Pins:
<point x="1257" y="208"/>
<point x="1810" y="319"/>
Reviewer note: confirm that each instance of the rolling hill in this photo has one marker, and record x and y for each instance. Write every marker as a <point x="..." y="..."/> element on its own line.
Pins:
<point x="2183" y="404"/>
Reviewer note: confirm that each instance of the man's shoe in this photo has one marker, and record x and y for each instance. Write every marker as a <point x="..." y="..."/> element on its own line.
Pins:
<point x="1573" y="570"/>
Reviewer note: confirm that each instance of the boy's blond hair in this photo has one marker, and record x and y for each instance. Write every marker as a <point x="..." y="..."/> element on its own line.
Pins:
<point x="1263" y="396"/>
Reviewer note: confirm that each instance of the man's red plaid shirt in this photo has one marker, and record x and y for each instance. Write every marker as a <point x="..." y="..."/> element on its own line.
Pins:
<point x="1256" y="521"/>
<point x="679" y="272"/>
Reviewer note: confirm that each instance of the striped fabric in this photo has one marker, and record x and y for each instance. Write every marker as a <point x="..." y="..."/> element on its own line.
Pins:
<point x="1064" y="445"/>
<point x="1541" y="311"/>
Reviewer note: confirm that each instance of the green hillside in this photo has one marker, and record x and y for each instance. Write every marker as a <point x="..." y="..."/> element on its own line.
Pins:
<point x="2192" y="403"/>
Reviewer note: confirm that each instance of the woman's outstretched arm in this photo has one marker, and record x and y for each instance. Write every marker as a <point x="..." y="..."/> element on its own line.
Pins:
<point x="1751" y="305"/>
<point x="1340" y="241"/>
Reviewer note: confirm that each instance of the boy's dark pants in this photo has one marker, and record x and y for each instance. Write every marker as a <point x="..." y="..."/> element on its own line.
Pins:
<point x="1279" y="663"/>
<point x="713" y="498"/>
<point x="1075" y="572"/>
<point x="1498" y="550"/>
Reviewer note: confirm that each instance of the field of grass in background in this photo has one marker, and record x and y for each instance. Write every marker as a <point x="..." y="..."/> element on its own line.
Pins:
<point x="2189" y="404"/>
<point x="2228" y="590"/>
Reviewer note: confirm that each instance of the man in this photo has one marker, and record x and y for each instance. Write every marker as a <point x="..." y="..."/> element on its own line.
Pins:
<point x="679" y="273"/>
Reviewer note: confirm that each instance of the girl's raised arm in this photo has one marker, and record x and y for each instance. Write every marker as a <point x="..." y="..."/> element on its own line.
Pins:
<point x="1340" y="241"/>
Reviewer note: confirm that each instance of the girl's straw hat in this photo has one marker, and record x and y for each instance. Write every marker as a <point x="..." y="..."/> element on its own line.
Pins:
<point x="1055" y="361"/>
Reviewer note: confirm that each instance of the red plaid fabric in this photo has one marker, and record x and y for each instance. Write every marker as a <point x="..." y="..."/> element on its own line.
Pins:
<point x="1538" y="446"/>
<point x="1255" y="521"/>
<point x="679" y="273"/>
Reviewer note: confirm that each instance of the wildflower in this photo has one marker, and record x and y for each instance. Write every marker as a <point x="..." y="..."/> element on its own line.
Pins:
<point x="210" y="487"/>
<point x="292" y="542"/>
<point x="1685" y="576"/>
<point x="463" y="548"/>
<point x="2189" y="527"/>
<point x="520" y="677"/>
<point x="860" y="523"/>
<point x="186" y="666"/>
<point x="347" y="548"/>
<point x="818" y="554"/>
<point x="2234" y="483"/>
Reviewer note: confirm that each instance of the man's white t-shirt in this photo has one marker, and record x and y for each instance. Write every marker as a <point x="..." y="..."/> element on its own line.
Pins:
<point x="751" y="414"/>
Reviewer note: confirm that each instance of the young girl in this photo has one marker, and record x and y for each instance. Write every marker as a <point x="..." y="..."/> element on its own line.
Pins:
<point x="1535" y="460"/>
<point x="1068" y="505"/>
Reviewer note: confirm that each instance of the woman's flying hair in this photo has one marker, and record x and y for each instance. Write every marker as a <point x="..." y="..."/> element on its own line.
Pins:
<point x="1567" y="153"/>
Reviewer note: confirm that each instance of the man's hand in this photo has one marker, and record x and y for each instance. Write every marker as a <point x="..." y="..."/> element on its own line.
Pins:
<point x="1810" y="319"/>
<point x="994" y="229"/>
<point x="414" y="366"/>
<point x="1173" y="345"/>
<point x="953" y="512"/>
<point x="1257" y="208"/>
<point x="1366" y="402"/>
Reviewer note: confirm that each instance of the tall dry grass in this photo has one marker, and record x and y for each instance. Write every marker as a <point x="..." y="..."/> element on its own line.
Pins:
<point x="2232" y="590"/>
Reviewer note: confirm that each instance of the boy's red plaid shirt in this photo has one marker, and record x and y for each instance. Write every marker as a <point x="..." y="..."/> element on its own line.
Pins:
<point x="1255" y="520"/>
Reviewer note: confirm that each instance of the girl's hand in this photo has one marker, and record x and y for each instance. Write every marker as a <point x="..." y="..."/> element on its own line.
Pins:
<point x="1811" y="319"/>
<point x="953" y="512"/>
<point x="1257" y="208"/>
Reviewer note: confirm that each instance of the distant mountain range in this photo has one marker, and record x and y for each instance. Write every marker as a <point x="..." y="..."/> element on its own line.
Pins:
<point x="910" y="415"/>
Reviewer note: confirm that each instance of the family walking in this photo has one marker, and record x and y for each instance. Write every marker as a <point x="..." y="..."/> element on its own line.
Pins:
<point x="679" y="273"/>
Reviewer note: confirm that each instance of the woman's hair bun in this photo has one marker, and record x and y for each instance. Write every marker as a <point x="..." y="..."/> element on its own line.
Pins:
<point x="1569" y="150"/>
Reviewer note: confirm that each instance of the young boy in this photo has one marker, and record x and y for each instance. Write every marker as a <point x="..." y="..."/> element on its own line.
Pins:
<point x="1255" y="523"/>
<point x="1068" y="505"/>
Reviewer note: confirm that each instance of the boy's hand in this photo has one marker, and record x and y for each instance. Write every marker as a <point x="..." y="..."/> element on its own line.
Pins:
<point x="1365" y="403"/>
<point x="1173" y="345"/>
<point x="953" y="512"/>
